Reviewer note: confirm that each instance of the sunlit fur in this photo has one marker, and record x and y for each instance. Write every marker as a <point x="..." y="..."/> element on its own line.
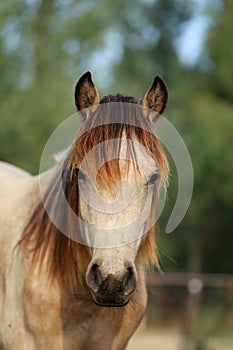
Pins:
<point x="67" y="260"/>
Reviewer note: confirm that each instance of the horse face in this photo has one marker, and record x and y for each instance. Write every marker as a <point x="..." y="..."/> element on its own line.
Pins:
<point x="118" y="220"/>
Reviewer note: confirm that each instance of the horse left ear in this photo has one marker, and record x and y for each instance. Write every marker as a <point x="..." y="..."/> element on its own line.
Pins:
<point x="86" y="94"/>
<point x="156" y="97"/>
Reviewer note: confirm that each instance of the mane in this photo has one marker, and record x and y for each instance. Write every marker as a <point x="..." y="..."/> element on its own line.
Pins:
<point x="67" y="259"/>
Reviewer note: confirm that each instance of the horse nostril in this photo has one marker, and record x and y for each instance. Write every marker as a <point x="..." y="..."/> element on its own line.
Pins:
<point x="127" y="276"/>
<point x="95" y="272"/>
<point x="94" y="277"/>
<point x="129" y="281"/>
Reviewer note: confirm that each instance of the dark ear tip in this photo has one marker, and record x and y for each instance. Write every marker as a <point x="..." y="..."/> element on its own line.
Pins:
<point x="85" y="76"/>
<point x="159" y="79"/>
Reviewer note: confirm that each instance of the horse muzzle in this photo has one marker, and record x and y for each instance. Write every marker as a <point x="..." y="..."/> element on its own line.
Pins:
<point x="112" y="291"/>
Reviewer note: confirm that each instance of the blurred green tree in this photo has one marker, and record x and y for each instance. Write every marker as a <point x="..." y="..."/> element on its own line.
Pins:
<point x="221" y="53"/>
<point x="46" y="45"/>
<point x="203" y="114"/>
<point x="149" y="32"/>
<point x="42" y="44"/>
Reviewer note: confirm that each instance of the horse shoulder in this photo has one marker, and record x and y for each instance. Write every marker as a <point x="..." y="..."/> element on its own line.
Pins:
<point x="31" y="317"/>
<point x="10" y="170"/>
<point x="16" y="199"/>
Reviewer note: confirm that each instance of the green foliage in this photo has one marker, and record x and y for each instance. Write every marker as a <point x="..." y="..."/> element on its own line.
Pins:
<point x="148" y="33"/>
<point x="206" y="125"/>
<point x="221" y="53"/>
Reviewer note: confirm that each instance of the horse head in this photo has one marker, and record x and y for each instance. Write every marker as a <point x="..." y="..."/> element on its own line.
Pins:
<point x="119" y="165"/>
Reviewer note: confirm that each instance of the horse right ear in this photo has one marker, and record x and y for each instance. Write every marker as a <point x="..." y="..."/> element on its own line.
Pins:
<point x="86" y="94"/>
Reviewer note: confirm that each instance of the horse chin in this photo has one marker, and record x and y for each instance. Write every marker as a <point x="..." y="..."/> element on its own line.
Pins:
<point x="104" y="302"/>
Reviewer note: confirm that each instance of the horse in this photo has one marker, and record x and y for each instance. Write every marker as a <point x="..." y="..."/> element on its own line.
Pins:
<point x="62" y="293"/>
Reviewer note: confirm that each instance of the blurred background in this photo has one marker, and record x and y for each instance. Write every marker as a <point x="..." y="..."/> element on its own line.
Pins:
<point x="45" y="45"/>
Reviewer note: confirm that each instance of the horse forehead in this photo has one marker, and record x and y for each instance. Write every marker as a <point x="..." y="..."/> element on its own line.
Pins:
<point x="140" y="155"/>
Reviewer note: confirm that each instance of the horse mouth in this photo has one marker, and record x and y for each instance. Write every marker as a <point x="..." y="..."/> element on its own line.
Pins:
<point x="105" y="301"/>
<point x="110" y="303"/>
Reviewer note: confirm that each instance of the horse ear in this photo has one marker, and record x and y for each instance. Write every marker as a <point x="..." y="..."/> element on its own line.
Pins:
<point x="156" y="97"/>
<point x="86" y="94"/>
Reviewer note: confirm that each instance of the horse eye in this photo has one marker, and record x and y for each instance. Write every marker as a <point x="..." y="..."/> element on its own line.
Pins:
<point x="79" y="174"/>
<point x="154" y="178"/>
